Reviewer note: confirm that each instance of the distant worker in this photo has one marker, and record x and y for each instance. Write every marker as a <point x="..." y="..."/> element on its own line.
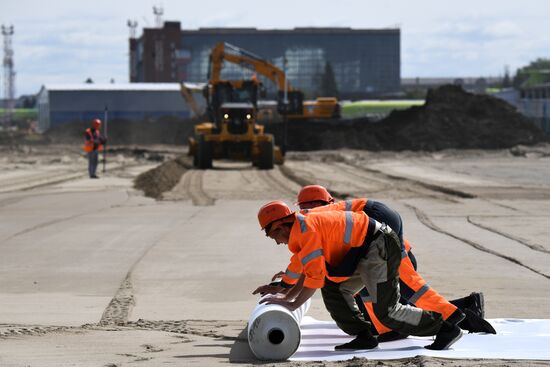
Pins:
<point x="351" y="244"/>
<point x="93" y="144"/>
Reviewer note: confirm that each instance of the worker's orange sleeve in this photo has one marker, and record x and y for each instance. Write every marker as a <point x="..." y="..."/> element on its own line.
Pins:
<point x="313" y="260"/>
<point x="293" y="271"/>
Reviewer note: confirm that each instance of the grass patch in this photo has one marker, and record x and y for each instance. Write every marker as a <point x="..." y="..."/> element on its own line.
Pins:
<point x="376" y="107"/>
<point x="23" y="113"/>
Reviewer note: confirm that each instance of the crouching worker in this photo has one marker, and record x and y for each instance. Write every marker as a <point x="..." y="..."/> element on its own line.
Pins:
<point x="348" y="244"/>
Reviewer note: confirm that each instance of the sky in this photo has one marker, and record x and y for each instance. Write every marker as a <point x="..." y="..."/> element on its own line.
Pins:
<point x="62" y="41"/>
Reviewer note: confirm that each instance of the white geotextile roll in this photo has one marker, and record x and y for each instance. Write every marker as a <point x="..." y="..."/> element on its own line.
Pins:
<point x="274" y="331"/>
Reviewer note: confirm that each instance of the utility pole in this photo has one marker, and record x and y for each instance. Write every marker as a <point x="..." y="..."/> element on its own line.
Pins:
<point x="133" y="57"/>
<point x="285" y="103"/>
<point x="9" y="76"/>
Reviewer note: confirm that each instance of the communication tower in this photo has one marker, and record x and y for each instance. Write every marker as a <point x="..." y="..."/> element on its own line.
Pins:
<point x="9" y="75"/>
<point x="132" y="25"/>
<point x="158" y="11"/>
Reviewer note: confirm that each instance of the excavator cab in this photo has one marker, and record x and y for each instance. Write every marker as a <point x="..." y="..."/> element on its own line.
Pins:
<point x="294" y="102"/>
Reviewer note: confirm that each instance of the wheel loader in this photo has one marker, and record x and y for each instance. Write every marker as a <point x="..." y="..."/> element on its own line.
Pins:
<point x="232" y="132"/>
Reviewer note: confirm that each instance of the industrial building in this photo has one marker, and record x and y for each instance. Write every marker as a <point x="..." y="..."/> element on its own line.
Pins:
<point x="59" y="104"/>
<point x="365" y="62"/>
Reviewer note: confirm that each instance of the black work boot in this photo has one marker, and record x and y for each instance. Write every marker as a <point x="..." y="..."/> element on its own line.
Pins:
<point x="477" y="304"/>
<point x="475" y="324"/>
<point x="447" y="336"/>
<point x="364" y="340"/>
<point x="391" y="336"/>
<point x="456" y="317"/>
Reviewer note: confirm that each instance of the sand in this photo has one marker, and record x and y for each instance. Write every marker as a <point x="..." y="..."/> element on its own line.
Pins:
<point x="93" y="272"/>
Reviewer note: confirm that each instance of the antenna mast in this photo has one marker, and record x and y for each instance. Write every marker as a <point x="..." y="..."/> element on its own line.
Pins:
<point x="9" y="75"/>
<point x="132" y="25"/>
<point x="158" y="10"/>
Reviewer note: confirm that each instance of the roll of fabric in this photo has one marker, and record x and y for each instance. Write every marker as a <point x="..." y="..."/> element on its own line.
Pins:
<point x="274" y="331"/>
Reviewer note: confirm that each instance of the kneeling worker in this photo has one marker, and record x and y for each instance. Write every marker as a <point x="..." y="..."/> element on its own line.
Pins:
<point x="348" y="244"/>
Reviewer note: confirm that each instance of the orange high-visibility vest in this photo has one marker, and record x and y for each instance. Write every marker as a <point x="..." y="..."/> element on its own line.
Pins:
<point x="329" y="243"/>
<point x="90" y="139"/>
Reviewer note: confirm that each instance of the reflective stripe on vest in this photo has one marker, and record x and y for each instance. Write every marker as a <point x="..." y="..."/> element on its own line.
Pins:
<point x="349" y="228"/>
<point x="419" y="293"/>
<point x="348" y="205"/>
<point x="292" y="275"/>
<point x="312" y="255"/>
<point x="302" y="221"/>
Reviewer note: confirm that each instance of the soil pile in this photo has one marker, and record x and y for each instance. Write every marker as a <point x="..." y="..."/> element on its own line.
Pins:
<point x="450" y="118"/>
<point x="163" y="177"/>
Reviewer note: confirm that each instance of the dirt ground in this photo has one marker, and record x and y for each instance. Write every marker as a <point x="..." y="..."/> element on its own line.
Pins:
<point x="140" y="266"/>
<point x="95" y="273"/>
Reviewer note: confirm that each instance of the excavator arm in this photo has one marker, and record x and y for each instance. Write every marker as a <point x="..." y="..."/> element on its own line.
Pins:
<point x="224" y="51"/>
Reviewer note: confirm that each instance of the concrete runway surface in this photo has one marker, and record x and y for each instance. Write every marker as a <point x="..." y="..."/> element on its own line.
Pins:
<point x="92" y="273"/>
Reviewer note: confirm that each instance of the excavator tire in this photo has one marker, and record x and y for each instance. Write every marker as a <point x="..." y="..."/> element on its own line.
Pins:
<point x="266" y="154"/>
<point x="203" y="157"/>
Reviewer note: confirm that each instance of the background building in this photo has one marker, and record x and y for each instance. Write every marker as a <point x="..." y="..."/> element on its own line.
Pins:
<point x="59" y="104"/>
<point x="365" y="62"/>
<point x="534" y="102"/>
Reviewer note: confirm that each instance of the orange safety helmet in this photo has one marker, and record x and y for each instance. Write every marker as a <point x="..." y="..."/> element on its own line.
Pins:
<point x="314" y="193"/>
<point x="96" y="123"/>
<point x="272" y="211"/>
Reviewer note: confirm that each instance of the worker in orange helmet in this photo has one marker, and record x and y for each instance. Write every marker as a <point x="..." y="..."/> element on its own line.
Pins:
<point x="367" y="252"/>
<point x="93" y="144"/>
<point x="414" y="289"/>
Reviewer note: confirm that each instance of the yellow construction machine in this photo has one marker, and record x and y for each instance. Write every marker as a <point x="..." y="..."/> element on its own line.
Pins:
<point x="232" y="132"/>
<point x="290" y="100"/>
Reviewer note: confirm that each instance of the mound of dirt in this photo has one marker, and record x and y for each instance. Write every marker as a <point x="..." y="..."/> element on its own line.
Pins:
<point x="163" y="177"/>
<point x="450" y="119"/>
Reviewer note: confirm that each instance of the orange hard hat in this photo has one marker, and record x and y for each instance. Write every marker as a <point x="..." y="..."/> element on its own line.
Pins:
<point x="272" y="211"/>
<point x="314" y="193"/>
<point x="96" y="123"/>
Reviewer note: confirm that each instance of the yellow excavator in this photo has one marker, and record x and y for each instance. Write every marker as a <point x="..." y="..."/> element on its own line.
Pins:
<point x="290" y="101"/>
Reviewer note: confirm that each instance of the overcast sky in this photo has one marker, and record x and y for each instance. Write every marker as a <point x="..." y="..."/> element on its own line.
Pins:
<point x="66" y="41"/>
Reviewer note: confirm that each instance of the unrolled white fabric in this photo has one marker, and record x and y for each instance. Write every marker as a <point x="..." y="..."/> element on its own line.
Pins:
<point x="274" y="331"/>
<point x="515" y="339"/>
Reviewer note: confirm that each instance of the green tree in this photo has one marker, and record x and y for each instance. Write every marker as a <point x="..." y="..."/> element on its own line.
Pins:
<point x="537" y="72"/>
<point x="328" y="86"/>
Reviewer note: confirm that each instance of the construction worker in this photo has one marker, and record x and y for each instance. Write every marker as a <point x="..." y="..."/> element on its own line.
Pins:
<point x="93" y="144"/>
<point x="414" y="289"/>
<point x="367" y="252"/>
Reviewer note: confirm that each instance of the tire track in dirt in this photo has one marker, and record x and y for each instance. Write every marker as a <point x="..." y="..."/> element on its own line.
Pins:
<point x="513" y="238"/>
<point x="358" y="174"/>
<point x="192" y="182"/>
<point x="424" y="219"/>
<point x="276" y="183"/>
<point x="405" y="182"/>
<point x="120" y="307"/>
